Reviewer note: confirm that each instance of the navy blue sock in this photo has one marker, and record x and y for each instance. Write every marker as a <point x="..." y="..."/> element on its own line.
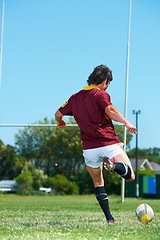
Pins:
<point x="102" y="199"/>
<point x="122" y="169"/>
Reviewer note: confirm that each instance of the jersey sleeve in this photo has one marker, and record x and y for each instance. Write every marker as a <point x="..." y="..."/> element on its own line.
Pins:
<point x="66" y="108"/>
<point x="103" y="100"/>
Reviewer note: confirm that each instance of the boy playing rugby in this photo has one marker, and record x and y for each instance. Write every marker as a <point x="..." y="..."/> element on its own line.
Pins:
<point x="94" y="112"/>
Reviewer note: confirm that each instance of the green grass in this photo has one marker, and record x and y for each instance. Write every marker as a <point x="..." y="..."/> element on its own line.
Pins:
<point x="73" y="217"/>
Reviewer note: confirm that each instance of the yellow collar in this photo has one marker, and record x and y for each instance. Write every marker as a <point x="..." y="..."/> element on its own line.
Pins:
<point x="90" y="87"/>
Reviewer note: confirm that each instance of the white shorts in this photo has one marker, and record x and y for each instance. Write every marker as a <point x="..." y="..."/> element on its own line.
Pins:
<point x="94" y="157"/>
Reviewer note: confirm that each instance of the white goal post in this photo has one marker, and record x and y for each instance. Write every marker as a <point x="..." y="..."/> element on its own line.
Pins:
<point x="36" y="125"/>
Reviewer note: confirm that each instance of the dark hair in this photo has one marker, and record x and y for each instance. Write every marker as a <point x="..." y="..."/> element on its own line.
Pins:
<point x="99" y="74"/>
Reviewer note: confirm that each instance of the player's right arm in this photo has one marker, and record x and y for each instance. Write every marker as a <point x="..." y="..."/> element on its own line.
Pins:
<point x="61" y="123"/>
<point x="65" y="109"/>
<point x="115" y="115"/>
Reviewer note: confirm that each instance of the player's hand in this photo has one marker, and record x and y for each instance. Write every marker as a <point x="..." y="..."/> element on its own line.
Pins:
<point x="62" y="124"/>
<point x="131" y="128"/>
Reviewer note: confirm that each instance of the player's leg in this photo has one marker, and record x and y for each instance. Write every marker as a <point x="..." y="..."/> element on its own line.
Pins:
<point x="115" y="158"/>
<point x="101" y="195"/>
<point x="96" y="175"/>
<point x="122" y="165"/>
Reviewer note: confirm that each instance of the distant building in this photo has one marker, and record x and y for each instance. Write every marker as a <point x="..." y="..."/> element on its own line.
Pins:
<point x="142" y="164"/>
<point x="155" y="166"/>
<point x="47" y="190"/>
<point x="8" y="185"/>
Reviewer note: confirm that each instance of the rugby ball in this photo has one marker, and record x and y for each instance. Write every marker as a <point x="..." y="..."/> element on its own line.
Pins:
<point x="144" y="213"/>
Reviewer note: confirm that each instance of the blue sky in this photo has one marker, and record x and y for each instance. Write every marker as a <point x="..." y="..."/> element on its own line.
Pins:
<point x="51" y="47"/>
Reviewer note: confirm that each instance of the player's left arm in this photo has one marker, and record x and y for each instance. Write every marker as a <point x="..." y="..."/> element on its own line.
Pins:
<point x="115" y="115"/>
<point x="61" y="123"/>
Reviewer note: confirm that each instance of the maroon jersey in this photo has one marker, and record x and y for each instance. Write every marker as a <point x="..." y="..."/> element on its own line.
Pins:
<point x="88" y="108"/>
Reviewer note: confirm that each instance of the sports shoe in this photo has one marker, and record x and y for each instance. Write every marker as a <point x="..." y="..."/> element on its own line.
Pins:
<point x="108" y="164"/>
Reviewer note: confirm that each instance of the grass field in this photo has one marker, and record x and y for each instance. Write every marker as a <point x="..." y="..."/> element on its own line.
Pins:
<point x="73" y="217"/>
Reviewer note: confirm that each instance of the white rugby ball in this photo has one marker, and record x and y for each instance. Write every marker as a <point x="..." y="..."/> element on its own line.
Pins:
<point x="144" y="213"/>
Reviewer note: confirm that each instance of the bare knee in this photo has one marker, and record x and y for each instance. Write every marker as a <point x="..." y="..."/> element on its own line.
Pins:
<point x="98" y="182"/>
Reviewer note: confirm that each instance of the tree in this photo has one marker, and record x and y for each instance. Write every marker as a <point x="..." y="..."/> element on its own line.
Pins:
<point x="67" y="147"/>
<point x="51" y="147"/>
<point x="62" y="185"/>
<point x="152" y="154"/>
<point x="30" y="179"/>
<point x="119" y="130"/>
<point x="25" y="182"/>
<point x="31" y="142"/>
<point x="10" y="163"/>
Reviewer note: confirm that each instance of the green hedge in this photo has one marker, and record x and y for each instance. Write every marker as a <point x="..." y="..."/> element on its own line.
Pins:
<point x="60" y="184"/>
<point x="146" y="172"/>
